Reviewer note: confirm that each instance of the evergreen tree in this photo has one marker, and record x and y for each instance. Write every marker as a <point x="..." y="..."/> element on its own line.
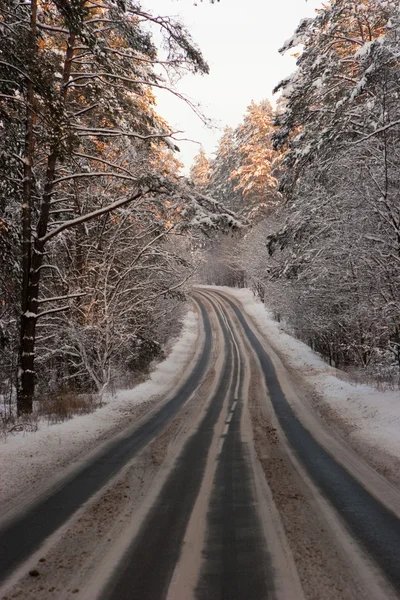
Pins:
<point x="200" y="170"/>
<point x="224" y="163"/>
<point x="254" y="176"/>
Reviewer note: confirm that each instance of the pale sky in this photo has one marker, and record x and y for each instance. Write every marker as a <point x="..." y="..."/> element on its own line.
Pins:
<point x="240" y="41"/>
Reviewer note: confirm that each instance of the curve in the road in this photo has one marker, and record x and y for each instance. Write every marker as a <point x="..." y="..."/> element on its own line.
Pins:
<point x="24" y="534"/>
<point x="377" y="528"/>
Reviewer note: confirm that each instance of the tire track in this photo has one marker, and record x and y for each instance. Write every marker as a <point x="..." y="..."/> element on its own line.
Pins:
<point x="236" y="562"/>
<point x="371" y="523"/>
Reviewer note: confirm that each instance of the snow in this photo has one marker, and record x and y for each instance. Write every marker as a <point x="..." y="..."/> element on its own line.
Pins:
<point x="318" y="83"/>
<point x="366" y="48"/>
<point x="28" y="457"/>
<point x="298" y="37"/>
<point x="374" y="414"/>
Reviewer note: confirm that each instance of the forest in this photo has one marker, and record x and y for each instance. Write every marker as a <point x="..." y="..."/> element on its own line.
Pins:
<point x="102" y="237"/>
<point x="317" y="181"/>
<point x="94" y="253"/>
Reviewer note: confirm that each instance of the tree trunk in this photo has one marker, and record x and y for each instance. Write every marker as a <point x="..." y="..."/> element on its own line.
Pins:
<point x="27" y="347"/>
<point x="30" y="316"/>
<point x="30" y="305"/>
<point x="25" y="372"/>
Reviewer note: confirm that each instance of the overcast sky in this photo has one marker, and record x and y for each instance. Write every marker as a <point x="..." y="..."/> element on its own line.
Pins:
<point x="240" y="41"/>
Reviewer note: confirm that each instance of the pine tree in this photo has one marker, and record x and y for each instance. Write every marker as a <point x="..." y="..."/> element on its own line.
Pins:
<point x="200" y="170"/>
<point x="320" y="110"/>
<point x="223" y="164"/>
<point x="254" y="177"/>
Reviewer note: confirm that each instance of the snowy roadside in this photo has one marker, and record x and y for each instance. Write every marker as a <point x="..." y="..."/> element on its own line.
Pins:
<point x="28" y="458"/>
<point x="374" y="415"/>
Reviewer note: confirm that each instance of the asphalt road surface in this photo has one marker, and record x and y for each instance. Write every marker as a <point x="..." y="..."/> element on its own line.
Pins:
<point x="244" y="494"/>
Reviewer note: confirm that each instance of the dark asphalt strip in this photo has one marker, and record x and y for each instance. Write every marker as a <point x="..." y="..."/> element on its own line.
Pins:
<point x="147" y="566"/>
<point x="368" y="520"/>
<point x="23" y="535"/>
<point x="236" y="563"/>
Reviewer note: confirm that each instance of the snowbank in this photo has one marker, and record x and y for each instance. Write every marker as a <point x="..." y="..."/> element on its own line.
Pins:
<point x="375" y="414"/>
<point x="28" y="457"/>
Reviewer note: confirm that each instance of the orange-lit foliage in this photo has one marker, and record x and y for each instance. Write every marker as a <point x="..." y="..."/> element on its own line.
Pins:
<point x="254" y="176"/>
<point x="200" y="169"/>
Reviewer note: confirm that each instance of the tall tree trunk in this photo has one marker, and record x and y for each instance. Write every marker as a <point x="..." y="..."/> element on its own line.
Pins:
<point x="25" y="324"/>
<point x="30" y="316"/>
<point x="30" y="305"/>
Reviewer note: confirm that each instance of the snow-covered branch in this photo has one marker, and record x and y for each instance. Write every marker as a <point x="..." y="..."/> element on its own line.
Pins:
<point x="56" y="298"/>
<point x="95" y="214"/>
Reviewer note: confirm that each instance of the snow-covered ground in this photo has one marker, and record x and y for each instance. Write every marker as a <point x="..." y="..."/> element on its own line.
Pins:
<point x="27" y="457"/>
<point x="374" y="414"/>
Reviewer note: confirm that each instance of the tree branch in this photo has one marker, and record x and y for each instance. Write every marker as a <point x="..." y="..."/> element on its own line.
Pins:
<point x="94" y="214"/>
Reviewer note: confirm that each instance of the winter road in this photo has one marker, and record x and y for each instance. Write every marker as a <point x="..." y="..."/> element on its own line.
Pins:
<point x="229" y="488"/>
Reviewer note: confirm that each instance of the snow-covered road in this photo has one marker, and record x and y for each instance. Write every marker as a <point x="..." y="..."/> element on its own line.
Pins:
<point x="238" y="482"/>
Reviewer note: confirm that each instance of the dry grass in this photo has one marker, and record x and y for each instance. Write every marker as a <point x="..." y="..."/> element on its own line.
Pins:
<point x="62" y="406"/>
<point x="53" y="408"/>
<point x="11" y="424"/>
<point x="388" y="382"/>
